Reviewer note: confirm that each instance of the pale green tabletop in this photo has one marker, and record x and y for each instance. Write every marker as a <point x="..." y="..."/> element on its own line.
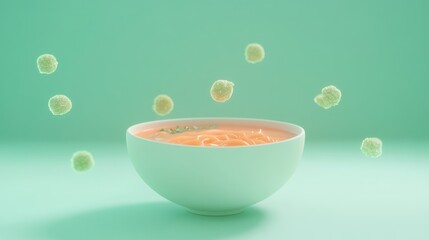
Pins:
<point x="336" y="193"/>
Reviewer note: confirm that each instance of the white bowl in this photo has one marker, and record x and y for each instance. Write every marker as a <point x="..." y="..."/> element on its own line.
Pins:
<point x="215" y="180"/>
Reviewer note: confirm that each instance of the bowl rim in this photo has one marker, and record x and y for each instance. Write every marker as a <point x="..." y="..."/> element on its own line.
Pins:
<point x="299" y="135"/>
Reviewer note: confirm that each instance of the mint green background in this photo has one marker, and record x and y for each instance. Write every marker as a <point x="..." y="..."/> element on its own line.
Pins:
<point x="116" y="56"/>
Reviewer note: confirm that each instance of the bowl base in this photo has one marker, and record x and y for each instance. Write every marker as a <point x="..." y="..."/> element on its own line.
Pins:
<point x="215" y="213"/>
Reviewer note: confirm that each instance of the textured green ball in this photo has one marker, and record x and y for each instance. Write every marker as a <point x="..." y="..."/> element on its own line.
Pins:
<point x="372" y="147"/>
<point x="82" y="161"/>
<point x="221" y="90"/>
<point x="254" y="53"/>
<point x="162" y="105"/>
<point x="59" y="104"/>
<point x="329" y="97"/>
<point x="47" y="63"/>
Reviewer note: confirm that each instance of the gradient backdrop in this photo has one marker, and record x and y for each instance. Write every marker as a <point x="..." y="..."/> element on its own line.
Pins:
<point x="116" y="56"/>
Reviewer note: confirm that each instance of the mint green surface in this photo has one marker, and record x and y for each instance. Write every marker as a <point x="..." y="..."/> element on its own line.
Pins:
<point x="215" y="180"/>
<point x="336" y="193"/>
<point x="116" y="56"/>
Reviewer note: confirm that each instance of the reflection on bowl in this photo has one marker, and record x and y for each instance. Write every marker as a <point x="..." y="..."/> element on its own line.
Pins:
<point x="215" y="180"/>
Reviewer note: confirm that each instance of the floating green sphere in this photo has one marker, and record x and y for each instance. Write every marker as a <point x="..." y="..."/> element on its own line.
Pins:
<point x="254" y="53"/>
<point x="59" y="104"/>
<point x="47" y="63"/>
<point x="221" y="90"/>
<point x="82" y="161"/>
<point x="329" y="97"/>
<point x="162" y="105"/>
<point x="372" y="147"/>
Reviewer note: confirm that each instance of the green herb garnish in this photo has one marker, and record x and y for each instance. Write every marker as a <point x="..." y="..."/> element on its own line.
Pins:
<point x="179" y="129"/>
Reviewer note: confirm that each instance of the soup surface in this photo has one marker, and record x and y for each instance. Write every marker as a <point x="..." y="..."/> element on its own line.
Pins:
<point x="219" y="135"/>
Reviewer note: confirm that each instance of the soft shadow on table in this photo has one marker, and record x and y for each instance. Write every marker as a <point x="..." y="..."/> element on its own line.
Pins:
<point x="158" y="220"/>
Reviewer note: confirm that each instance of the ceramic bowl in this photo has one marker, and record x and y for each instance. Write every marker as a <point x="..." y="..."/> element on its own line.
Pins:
<point x="215" y="180"/>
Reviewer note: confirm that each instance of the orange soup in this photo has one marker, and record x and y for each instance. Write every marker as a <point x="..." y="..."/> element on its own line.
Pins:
<point x="220" y="135"/>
